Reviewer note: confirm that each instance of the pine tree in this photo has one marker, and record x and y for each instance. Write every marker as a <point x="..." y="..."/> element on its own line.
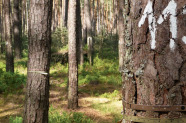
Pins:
<point x="37" y="95"/>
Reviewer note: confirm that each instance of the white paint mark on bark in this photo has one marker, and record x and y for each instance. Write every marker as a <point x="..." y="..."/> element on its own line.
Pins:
<point x="170" y="10"/>
<point x="160" y="20"/>
<point x="89" y="40"/>
<point x="172" y="44"/>
<point x="148" y="12"/>
<point x="184" y="39"/>
<point x="184" y="10"/>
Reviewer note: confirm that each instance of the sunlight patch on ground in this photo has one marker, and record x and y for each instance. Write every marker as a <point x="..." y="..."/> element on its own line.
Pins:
<point x="9" y="109"/>
<point x="88" y="101"/>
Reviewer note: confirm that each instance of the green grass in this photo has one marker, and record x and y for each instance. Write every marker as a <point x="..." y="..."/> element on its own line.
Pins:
<point x="64" y="117"/>
<point x="102" y="71"/>
<point x="56" y="117"/>
<point x="111" y="95"/>
<point x="10" y="82"/>
<point x="112" y="108"/>
<point x="15" y="119"/>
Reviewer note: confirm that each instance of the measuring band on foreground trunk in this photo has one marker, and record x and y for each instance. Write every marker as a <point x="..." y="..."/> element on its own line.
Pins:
<point x="40" y="72"/>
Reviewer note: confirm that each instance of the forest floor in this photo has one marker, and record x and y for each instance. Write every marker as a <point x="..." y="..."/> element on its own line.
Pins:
<point x="99" y="109"/>
<point x="99" y="101"/>
<point x="99" y="88"/>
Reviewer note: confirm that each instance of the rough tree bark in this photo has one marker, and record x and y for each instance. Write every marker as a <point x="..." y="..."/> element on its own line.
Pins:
<point x="72" y="53"/>
<point x="37" y="95"/>
<point x="89" y="30"/>
<point x="8" y="40"/>
<point x="16" y="30"/>
<point x="155" y="62"/>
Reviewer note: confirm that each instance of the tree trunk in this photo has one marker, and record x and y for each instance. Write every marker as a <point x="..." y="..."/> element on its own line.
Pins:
<point x="155" y="70"/>
<point x="65" y="13"/>
<point x="93" y="17"/>
<point x="0" y="16"/>
<point x="20" y="20"/>
<point x="89" y="30"/>
<point x="102" y="17"/>
<point x="37" y="95"/>
<point x="84" y="26"/>
<point x="27" y="5"/>
<point x="3" y="28"/>
<point x="53" y="16"/>
<point x="60" y="14"/>
<point x="24" y="16"/>
<point x="17" y="31"/>
<point x="121" y="34"/>
<point x="98" y="16"/>
<point x="9" y="51"/>
<point x="115" y="16"/>
<point x="72" y="53"/>
<point x="80" y="41"/>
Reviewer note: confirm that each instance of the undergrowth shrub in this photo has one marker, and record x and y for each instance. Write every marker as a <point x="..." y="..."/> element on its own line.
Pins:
<point x="103" y="71"/>
<point x="113" y="95"/>
<point x="15" y="119"/>
<point x="56" y="117"/>
<point x="75" y="117"/>
<point x="24" y="39"/>
<point x="59" y="39"/>
<point x="10" y="82"/>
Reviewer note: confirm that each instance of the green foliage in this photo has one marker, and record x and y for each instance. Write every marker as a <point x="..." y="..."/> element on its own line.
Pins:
<point x="15" y="119"/>
<point x="75" y="117"/>
<point x="111" y="108"/>
<point x="21" y="63"/>
<point x="10" y="82"/>
<point x="56" y="117"/>
<point x="24" y="39"/>
<point x="107" y="47"/>
<point x="102" y="71"/>
<point x="59" y="39"/>
<point x="112" y="95"/>
<point x="2" y="66"/>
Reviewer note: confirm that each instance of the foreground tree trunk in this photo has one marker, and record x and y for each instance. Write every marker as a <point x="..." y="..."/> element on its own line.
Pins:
<point x="16" y="30"/>
<point x="37" y="95"/>
<point x="155" y="73"/>
<point x="8" y="40"/>
<point x="72" y="53"/>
